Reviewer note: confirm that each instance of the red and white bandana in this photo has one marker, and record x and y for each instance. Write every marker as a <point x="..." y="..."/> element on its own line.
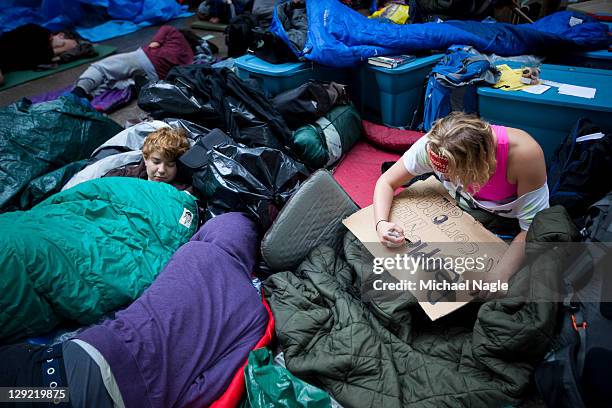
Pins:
<point x="439" y="163"/>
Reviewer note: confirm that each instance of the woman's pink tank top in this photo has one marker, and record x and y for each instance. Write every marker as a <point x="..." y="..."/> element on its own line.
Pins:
<point x="497" y="188"/>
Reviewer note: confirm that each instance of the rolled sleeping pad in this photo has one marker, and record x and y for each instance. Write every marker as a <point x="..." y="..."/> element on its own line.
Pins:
<point x="322" y="143"/>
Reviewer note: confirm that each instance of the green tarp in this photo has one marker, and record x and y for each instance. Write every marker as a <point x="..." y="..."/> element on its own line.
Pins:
<point x="37" y="139"/>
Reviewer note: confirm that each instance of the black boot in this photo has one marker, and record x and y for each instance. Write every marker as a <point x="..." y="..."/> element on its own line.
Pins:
<point x="81" y="93"/>
<point x="140" y="81"/>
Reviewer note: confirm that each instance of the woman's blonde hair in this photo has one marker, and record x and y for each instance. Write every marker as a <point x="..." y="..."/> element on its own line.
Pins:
<point x="170" y="143"/>
<point x="467" y="142"/>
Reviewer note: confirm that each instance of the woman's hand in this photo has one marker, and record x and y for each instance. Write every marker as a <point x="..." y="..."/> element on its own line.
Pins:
<point x="154" y="44"/>
<point x="390" y="234"/>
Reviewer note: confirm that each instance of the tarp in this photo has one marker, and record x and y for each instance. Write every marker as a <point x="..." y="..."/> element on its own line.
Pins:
<point x="341" y="37"/>
<point x="94" y="20"/>
<point x="38" y="139"/>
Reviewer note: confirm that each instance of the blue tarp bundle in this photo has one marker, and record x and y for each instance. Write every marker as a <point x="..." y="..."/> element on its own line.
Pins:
<point x="341" y="37"/>
<point x="95" y="20"/>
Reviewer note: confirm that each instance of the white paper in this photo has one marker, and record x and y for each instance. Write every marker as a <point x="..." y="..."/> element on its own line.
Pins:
<point x="580" y="91"/>
<point x="536" y="89"/>
<point x="592" y="136"/>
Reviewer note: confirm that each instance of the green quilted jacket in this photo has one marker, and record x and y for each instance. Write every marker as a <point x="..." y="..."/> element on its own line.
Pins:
<point x="87" y="251"/>
<point x="384" y="352"/>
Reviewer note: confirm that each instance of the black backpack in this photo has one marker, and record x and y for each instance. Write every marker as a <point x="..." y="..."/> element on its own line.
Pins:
<point x="271" y="48"/>
<point x="309" y="101"/>
<point x="239" y="34"/>
<point x="579" y="172"/>
<point x="576" y="372"/>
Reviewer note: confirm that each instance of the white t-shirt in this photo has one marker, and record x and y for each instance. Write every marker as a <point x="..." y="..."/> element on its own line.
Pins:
<point x="524" y="208"/>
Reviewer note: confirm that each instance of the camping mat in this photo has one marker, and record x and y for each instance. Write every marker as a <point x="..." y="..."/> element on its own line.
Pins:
<point x="359" y="169"/>
<point x="208" y="26"/>
<point x="322" y="202"/>
<point x="12" y="79"/>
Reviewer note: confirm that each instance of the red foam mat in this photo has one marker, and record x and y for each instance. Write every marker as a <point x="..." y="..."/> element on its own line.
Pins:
<point x="359" y="169"/>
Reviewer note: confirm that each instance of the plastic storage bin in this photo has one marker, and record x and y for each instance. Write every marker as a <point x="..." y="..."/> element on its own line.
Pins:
<point x="600" y="59"/>
<point x="549" y="117"/>
<point x="277" y="78"/>
<point x="392" y="95"/>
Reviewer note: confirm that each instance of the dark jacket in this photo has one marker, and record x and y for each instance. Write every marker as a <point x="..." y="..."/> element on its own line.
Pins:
<point x="373" y="349"/>
<point x="182" y="341"/>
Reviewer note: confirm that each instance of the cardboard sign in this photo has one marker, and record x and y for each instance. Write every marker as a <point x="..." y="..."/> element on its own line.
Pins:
<point x="435" y="228"/>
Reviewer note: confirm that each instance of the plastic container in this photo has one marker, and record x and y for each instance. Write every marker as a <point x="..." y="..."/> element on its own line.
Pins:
<point x="391" y="96"/>
<point x="600" y="59"/>
<point x="549" y="117"/>
<point x="277" y="78"/>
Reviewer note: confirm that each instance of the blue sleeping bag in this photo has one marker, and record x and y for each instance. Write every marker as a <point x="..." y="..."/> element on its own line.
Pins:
<point x="341" y="37"/>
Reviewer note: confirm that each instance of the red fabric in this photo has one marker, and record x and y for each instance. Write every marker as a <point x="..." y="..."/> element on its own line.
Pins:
<point x="173" y="50"/>
<point x="359" y="169"/>
<point x="395" y="140"/>
<point x="439" y="163"/>
<point x="233" y="395"/>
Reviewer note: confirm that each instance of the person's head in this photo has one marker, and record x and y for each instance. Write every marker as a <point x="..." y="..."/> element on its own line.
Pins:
<point x="462" y="147"/>
<point x="63" y="41"/>
<point x="161" y="150"/>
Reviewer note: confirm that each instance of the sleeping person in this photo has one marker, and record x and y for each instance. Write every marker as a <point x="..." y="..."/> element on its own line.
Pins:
<point x="31" y="45"/>
<point x="177" y="345"/>
<point x="169" y="47"/>
<point x="160" y="151"/>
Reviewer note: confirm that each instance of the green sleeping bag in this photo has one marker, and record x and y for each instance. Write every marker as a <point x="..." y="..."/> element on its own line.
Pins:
<point x="87" y="251"/>
<point x="322" y="143"/>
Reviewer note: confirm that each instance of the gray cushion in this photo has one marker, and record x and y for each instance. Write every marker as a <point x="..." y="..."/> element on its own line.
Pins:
<point x="313" y="216"/>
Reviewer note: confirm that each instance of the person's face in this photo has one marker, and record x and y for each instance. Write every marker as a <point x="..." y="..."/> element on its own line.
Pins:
<point x="159" y="168"/>
<point x="61" y="44"/>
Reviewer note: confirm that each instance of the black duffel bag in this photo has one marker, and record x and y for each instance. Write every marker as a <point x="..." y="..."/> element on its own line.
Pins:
<point x="309" y="101"/>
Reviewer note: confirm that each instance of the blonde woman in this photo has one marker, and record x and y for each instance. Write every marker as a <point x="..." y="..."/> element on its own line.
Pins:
<point x="491" y="170"/>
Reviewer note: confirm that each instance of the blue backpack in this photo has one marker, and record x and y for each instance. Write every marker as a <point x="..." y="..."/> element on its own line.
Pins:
<point x="453" y="81"/>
